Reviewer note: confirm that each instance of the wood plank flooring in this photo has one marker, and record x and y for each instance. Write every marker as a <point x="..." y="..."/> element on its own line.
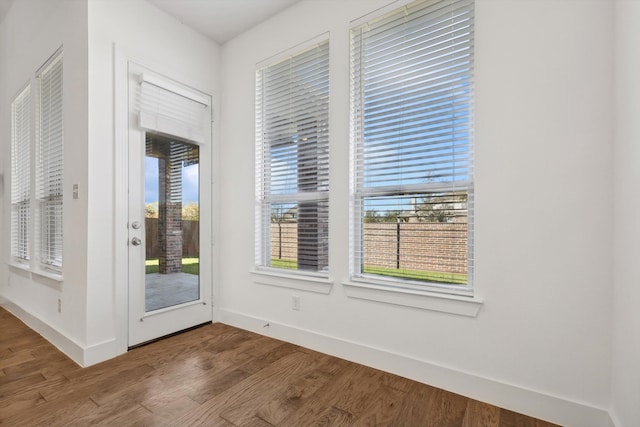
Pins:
<point x="218" y="375"/>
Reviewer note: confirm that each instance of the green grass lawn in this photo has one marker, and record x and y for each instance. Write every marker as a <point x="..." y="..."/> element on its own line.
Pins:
<point x="424" y="276"/>
<point x="189" y="265"/>
<point x="290" y="264"/>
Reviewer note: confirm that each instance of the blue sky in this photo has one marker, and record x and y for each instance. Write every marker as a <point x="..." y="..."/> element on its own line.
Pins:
<point x="189" y="182"/>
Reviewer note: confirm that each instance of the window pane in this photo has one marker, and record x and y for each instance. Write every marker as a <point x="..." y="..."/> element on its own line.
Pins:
<point x="172" y="222"/>
<point x="300" y="236"/>
<point x="51" y="226"/>
<point x="292" y="146"/>
<point x="412" y="126"/>
<point x="21" y="175"/>
<point x="418" y="237"/>
<point x="50" y="163"/>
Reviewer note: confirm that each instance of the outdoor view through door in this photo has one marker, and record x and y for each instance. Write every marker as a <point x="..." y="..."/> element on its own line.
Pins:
<point x="169" y="206"/>
<point x="172" y="224"/>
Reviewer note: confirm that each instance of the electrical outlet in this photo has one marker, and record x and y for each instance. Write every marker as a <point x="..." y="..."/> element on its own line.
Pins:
<point x="59" y="305"/>
<point x="295" y="303"/>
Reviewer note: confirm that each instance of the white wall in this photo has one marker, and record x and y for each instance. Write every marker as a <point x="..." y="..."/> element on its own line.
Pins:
<point x="541" y="342"/>
<point x="626" y="324"/>
<point x="142" y="33"/>
<point x="32" y="31"/>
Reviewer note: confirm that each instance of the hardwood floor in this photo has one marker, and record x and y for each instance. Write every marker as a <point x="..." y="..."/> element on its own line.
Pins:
<point x="218" y="375"/>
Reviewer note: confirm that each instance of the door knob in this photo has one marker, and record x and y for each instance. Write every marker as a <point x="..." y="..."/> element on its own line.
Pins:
<point x="136" y="241"/>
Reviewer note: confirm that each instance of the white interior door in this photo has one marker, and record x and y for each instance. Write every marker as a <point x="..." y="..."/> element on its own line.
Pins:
<point x="169" y="206"/>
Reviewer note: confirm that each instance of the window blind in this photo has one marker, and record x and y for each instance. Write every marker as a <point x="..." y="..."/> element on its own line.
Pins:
<point x="50" y="161"/>
<point x="171" y="109"/>
<point x="412" y="122"/>
<point x="292" y="161"/>
<point x="21" y="175"/>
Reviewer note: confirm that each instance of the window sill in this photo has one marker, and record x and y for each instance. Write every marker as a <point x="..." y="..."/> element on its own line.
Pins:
<point x="20" y="267"/>
<point x="44" y="277"/>
<point x="49" y="275"/>
<point x="300" y="281"/>
<point x="434" y="301"/>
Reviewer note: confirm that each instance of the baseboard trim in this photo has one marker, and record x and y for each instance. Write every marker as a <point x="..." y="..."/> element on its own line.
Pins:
<point x="83" y="356"/>
<point x="536" y="404"/>
<point x="102" y="351"/>
<point x="62" y="342"/>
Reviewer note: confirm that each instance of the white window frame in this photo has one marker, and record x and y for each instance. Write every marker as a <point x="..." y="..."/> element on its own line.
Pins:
<point x="50" y="164"/>
<point x="21" y="143"/>
<point x="365" y="285"/>
<point x="316" y="49"/>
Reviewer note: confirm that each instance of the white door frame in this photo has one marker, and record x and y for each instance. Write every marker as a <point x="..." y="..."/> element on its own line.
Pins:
<point x="145" y="326"/>
<point x="122" y="129"/>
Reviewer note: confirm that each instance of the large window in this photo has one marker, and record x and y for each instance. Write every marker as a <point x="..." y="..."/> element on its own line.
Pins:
<point x="47" y="148"/>
<point x="49" y="163"/>
<point x="292" y="155"/>
<point x="21" y="112"/>
<point x="412" y="153"/>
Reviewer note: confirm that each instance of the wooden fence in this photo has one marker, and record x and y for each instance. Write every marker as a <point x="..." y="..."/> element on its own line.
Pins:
<point x="190" y="238"/>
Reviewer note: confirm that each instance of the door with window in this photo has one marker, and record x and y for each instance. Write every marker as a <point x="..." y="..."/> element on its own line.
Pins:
<point x="169" y="206"/>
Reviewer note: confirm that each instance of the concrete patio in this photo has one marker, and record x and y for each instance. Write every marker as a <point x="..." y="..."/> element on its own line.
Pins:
<point x="166" y="290"/>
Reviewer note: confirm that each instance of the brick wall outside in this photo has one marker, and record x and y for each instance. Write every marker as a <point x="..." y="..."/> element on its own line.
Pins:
<point x="170" y="238"/>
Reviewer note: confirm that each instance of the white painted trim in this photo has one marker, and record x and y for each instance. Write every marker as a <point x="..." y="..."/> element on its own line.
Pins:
<point x="62" y="342"/>
<point x="302" y="282"/>
<point x="120" y="199"/>
<point x="144" y="326"/>
<point x="83" y="356"/>
<point x="24" y="269"/>
<point x="101" y="352"/>
<point x="378" y="13"/>
<point x="447" y="303"/>
<point x="19" y="265"/>
<point x="48" y="277"/>
<point x="509" y="396"/>
<point x="213" y="205"/>
<point x="292" y="51"/>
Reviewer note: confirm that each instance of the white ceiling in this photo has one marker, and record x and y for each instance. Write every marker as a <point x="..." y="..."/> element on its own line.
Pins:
<point x="222" y="20"/>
